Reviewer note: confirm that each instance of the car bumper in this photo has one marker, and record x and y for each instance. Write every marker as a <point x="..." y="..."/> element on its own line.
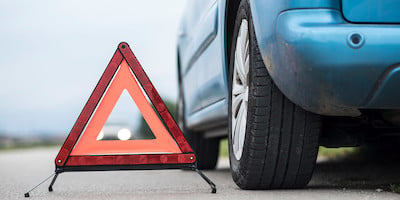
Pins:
<point x="319" y="65"/>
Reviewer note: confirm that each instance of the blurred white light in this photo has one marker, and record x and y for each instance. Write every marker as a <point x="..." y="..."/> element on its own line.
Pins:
<point x="101" y="135"/>
<point x="124" y="134"/>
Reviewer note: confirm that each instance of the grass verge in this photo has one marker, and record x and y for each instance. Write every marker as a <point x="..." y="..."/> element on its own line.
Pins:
<point x="337" y="153"/>
<point x="223" y="148"/>
<point x="395" y="188"/>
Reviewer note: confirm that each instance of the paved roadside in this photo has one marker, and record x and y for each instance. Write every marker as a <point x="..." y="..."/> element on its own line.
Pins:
<point x="22" y="169"/>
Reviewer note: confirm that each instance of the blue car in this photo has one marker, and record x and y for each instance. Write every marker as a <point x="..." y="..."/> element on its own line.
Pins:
<point x="280" y="78"/>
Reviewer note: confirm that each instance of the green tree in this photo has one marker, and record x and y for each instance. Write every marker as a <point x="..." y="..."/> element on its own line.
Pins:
<point x="144" y="130"/>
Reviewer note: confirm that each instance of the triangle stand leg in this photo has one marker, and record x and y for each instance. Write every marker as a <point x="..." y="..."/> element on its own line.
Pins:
<point x="53" y="181"/>
<point x="212" y="185"/>
<point x="27" y="193"/>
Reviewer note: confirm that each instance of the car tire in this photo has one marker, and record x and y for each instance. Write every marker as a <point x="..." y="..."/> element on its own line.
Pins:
<point x="205" y="149"/>
<point x="273" y="143"/>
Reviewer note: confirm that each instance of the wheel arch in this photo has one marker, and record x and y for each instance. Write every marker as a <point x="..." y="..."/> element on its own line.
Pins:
<point x="229" y="22"/>
<point x="231" y="8"/>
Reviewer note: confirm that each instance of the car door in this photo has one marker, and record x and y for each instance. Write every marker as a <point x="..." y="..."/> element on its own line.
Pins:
<point x="202" y="71"/>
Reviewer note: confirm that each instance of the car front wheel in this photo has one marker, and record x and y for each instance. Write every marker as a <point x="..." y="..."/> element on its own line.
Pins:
<point x="272" y="142"/>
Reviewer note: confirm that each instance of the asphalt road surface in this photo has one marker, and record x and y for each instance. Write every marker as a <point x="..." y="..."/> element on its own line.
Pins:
<point x="22" y="169"/>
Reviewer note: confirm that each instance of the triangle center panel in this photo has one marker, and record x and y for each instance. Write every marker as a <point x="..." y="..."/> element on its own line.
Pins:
<point x="96" y="140"/>
<point x="125" y="122"/>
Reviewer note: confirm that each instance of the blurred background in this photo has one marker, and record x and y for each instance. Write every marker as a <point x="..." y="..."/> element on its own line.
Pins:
<point x="53" y="53"/>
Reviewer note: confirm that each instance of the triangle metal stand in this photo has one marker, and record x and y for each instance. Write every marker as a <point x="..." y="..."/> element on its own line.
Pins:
<point x="60" y="170"/>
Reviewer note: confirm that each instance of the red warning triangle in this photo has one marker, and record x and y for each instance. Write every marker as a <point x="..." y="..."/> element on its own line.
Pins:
<point x="124" y="73"/>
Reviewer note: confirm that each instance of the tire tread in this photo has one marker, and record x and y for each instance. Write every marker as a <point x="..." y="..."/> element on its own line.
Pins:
<point x="281" y="142"/>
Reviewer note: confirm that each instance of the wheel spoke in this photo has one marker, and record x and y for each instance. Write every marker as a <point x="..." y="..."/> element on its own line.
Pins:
<point x="246" y="52"/>
<point x="239" y="68"/>
<point x="243" y="126"/>
<point x="236" y="101"/>
<point x="238" y="127"/>
<point x="246" y="67"/>
<point x="237" y="89"/>
<point x="243" y="39"/>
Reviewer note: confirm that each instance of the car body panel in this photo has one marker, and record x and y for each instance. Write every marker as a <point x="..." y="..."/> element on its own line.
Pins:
<point x="313" y="64"/>
<point x="387" y="93"/>
<point x="203" y="72"/>
<point x="305" y="47"/>
<point x="371" y="11"/>
<point x="199" y="33"/>
<point x="265" y="13"/>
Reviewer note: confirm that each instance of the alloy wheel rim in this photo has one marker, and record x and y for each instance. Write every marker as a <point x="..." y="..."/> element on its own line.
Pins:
<point x="240" y="90"/>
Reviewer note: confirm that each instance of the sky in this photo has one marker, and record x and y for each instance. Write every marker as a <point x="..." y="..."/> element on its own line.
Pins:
<point x="52" y="54"/>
